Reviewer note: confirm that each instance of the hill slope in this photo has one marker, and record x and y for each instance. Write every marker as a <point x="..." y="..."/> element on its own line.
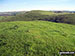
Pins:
<point x="35" y="38"/>
<point x="68" y="18"/>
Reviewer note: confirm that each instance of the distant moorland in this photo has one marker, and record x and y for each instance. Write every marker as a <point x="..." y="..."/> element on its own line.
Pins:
<point x="58" y="17"/>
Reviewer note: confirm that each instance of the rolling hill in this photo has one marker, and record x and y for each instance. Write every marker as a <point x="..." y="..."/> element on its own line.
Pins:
<point x="36" y="38"/>
<point x="40" y="15"/>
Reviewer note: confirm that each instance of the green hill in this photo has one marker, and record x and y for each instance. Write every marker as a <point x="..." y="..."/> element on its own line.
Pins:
<point x="36" y="38"/>
<point x="33" y="15"/>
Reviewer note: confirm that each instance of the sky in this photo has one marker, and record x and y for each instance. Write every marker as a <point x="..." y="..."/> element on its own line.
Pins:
<point x="27" y="5"/>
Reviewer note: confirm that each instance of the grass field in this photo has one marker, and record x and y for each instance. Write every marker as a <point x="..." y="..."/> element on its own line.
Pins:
<point x="36" y="38"/>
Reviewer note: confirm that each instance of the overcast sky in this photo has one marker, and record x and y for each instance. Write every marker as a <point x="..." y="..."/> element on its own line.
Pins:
<point x="21" y="5"/>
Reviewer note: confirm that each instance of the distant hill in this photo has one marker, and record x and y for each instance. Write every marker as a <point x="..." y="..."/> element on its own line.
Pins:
<point x="64" y="11"/>
<point x="40" y="11"/>
<point x="11" y="13"/>
<point x="40" y="15"/>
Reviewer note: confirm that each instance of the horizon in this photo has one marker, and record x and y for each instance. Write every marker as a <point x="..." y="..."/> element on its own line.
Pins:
<point x="28" y="5"/>
<point x="35" y="10"/>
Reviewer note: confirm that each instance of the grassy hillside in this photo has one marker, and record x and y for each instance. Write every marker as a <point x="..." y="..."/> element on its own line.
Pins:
<point x="68" y="18"/>
<point x="42" y="12"/>
<point x="5" y="18"/>
<point x="35" y="38"/>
